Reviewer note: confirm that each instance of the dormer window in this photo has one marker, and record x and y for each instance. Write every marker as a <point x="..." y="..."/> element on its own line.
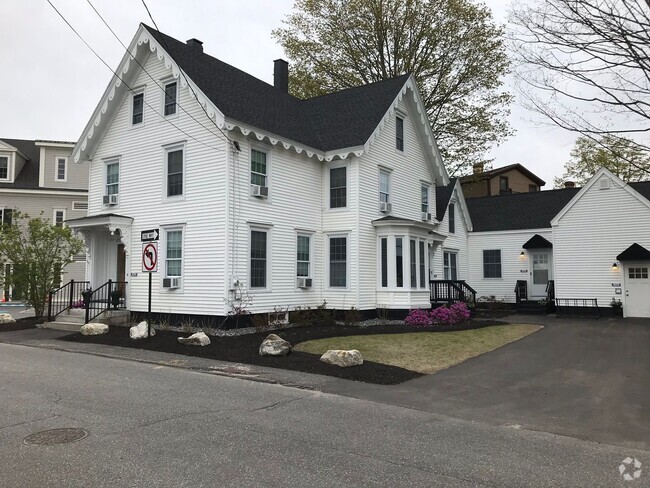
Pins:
<point x="4" y="167"/>
<point x="137" y="116"/>
<point x="399" y="133"/>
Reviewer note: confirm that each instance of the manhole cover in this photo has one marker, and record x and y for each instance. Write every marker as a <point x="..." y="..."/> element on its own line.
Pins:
<point x="56" y="436"/>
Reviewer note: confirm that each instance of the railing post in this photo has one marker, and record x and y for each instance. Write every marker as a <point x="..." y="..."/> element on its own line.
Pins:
<point x="87" y="307"/>
<point x="49" y="307"/>
<point x="71" y="293"/>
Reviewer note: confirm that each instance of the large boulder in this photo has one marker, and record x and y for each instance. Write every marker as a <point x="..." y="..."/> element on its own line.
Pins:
<point x="93" y="328"/>
<point x="6" y="318"/>
<point x="274" y="345"/>
<point x="198" y="339"/>
<point x="140" y="331"/>
<point x="339" y="357"/>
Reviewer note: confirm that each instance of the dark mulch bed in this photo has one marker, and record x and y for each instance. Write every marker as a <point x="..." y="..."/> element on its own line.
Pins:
<point x="21" y="324"/>
<point x="244" y="349"/>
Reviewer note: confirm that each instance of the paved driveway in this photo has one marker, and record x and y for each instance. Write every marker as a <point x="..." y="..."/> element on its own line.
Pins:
<point x="584" y="378"/>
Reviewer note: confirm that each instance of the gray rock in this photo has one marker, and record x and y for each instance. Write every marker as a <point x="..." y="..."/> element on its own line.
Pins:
<point x="93" y="328"/>
<point x="6" y="318"/>
<point x="342" y="358"/>
<point x="274" y="345"/>
<point x="198" y="339"/>
<point x="140" y="331"/>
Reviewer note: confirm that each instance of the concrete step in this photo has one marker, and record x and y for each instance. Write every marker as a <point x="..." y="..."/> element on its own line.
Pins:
<point x="66" y="326"/>
<point x="71" y="319"/>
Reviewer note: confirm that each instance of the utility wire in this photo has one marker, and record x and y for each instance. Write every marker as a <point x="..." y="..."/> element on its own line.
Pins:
<point x="122" y="80"/>
<point x="183" y="73"/>
<point x="148" y="74"/>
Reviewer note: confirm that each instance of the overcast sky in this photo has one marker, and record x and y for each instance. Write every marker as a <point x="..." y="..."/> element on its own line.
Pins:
<point x="51" y="82"/>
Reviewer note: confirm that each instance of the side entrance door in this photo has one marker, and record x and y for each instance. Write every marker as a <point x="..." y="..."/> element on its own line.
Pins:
<point x="637" y="289"/>
<point x="540" y="273"/>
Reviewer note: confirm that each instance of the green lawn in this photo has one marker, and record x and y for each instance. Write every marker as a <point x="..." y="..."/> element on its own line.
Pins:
<point x="424" y="352"/>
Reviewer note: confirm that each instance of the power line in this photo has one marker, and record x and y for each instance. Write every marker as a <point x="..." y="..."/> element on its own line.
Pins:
<point x="122" y="80"/>
<point x="144" y="69"/>
<point x="182" y="73"/>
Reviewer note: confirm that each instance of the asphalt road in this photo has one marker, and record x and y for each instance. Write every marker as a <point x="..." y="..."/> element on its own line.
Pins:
<point x="158" y="426"/>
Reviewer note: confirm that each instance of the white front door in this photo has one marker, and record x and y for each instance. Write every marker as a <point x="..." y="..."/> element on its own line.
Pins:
<point x="637" y="290"/>
<point x="540" y="273"/>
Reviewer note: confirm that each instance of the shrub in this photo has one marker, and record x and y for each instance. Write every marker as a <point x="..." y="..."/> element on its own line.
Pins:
<point x="418" y="318"/>
<point x="455" y="314"/>
<point x="260" y="321"/>
<point x="352" y="316"/>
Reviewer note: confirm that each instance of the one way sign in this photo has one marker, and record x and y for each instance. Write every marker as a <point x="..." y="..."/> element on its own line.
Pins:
<point x="149" y="235"/>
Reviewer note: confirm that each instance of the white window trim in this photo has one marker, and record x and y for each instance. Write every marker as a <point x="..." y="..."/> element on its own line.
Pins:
<point x="56" y="169"/>
<point x="456" y="252"/>
<point x="269" y="247"/>
<point x="54" y="212"/>
<point x="330" y="167"/>
<point x="165" y="82"/>
<point x="380" y="285"/>
<point x="449" y="213"/>
<point x="76" y="204"/>
<point x="347" y="261"/>
<point x="483" y="264"/>
<point x="423" y="275"/>
<point x="269" y="158"/>
<point x="162" y="257"/>
<point x="424" y="184"/>
<point x="134" y="92"/>
<point x="388" y="172"/>
<point x="105" y="164"/>
<point x="402" y="115"/>
<point x="310" y="236"/>
<point x="167" y="148"/>
<point x="10" y="162"/>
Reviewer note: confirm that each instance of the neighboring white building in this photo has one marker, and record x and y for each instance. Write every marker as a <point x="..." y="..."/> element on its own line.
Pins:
<point x="256" y="193"/>
<point x="38" y="178"/>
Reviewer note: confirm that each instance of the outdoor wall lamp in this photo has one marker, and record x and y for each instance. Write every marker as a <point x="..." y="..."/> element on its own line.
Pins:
<point x="522" y="254"/>
<point x="615" y="266"/>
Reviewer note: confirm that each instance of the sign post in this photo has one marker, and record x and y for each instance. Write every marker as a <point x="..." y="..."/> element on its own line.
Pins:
<point x="149" y="264"/>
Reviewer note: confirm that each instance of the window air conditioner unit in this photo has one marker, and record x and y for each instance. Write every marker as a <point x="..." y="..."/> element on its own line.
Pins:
<point x="260" y="191"/>
<point x="385" y="207"/>
<point x="171" y="283"/>
<point x="110" y="199"/>
<point x="426" y="216"/>
<point x="304" y="282"/>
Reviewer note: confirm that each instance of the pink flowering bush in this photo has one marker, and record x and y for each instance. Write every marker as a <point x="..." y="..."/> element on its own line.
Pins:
<point x="452" y="315"/>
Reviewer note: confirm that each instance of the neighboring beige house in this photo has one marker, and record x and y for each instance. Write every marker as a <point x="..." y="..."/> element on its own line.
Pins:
<point x="39" y="177"/>
<point x="513" y="178"/>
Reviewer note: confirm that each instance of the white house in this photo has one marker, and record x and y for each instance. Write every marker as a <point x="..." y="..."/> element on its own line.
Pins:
<point x="38" y="178"/>
<point x="258" y="195"/>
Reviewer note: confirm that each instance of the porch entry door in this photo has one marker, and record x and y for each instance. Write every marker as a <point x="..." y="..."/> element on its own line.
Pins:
<point x="637" y="289"/>
<point x="450" y="265"/>
<point x="540" y="273"/>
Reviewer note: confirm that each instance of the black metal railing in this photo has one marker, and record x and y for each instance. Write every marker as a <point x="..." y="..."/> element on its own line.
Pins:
<point x="111" y="294"/>
<point x="550" y="296"/>
<point x="66" y="297"/>
<point x="451" y="291"/>
<point x="577" y="307"/>
<point x="521" y="291"/>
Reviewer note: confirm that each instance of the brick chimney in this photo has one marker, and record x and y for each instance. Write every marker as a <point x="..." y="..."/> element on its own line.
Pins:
<point x="281" y="75"/>
<point x="477" y="168"/>
<point x="569" y="184"/>
<point x="195" y="44"/>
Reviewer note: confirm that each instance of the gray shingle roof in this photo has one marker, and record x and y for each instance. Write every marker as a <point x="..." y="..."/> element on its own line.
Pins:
<point x="484" y="175"/>
<point x="517" y="211"/>
<point x="339" y="120"/>
<point x="443" y="195"/>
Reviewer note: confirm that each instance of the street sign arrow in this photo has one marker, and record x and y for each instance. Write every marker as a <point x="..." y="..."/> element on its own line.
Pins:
<point x="149" y="235"/>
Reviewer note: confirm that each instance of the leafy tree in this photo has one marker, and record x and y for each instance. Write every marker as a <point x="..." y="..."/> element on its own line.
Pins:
<point x="623" y="157"/>
<point x="38" y="252"/>
<point x="452" y="47"/>
<point x="585" y="65"/>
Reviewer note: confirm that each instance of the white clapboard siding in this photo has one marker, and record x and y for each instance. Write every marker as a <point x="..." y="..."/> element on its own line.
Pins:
<point x="408" y="170"/>
<point x="513" y="266"/>
<point x="599" y="226"/>
<point x="456" y="242"/>
<point x="201" y="212"/>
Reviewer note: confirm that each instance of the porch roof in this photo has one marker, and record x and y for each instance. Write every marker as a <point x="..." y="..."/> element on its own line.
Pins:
<point x="100" y="220"/>
<point x="428" y="227"/>
<point x="635" y="252"/>
<point x="537" y="242"/>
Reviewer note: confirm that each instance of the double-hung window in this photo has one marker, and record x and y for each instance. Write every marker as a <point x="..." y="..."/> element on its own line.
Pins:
<point x="259" y="256"/>
<point x="338" y="256"/>
<point x="384" y="261"/>
<point x="175" y="160"/>
<point x="5" y="216"/>
<point x="424" y="198"/>
<point x="4" y="167"/>
<point x="174" y="253"/>
<point x="112" y="178"/>
<point x="504" y="184"/>
<point x="384" y="186"/>
<point x="423" y="278"/>
<point x="338" y="187"/>
<point x="492" y="263"/>
<point x="452" y="218"/>
<point x="259" y="175"/>
<point x="450" y="265"/>
<point x="137" y="110"/>
<point x="170" y="98"/>
<point x="303" y="256"/>
<point x="399" y="133"/>
<point x="59" y="217"/>
<point x="414" y="263"/>
<point x="61" y="169"/>
<point x="399" y="262"/>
